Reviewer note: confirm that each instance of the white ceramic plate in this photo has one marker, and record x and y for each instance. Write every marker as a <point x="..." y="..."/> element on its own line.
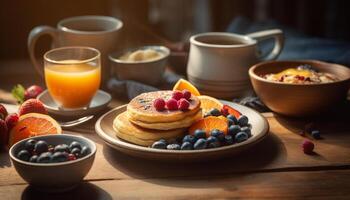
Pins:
<point x="104" y="128"/>
<point x="98" y="103"/>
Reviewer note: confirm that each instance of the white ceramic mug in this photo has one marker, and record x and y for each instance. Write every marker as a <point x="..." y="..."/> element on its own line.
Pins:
<point x="226" y="57"/>
<point x="100" y="32"/>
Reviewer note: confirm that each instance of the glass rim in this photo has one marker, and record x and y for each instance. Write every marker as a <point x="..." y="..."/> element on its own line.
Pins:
<point x="98" y="54"/>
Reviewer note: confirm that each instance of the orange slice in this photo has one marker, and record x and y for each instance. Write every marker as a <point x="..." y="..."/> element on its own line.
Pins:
<point x="33" y="124"/>
<point x="208" y="103"/>
<point x="210" y="123"/>
<point x="182" y="84"/>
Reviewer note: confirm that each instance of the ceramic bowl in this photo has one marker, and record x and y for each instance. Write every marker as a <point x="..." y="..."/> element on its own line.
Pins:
<point x="54" y="177"/>
<point x="148" y="72"/>
<point x="300" y="100"/>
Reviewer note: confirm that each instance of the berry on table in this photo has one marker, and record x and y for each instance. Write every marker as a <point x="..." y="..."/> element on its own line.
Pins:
<point x="316" y="134"/>
<point x="186" y="146"/>
<point x="243" y="120"/>
<point x="186" y="94"/>
<point x="218" y="134"/>
<point x="159" y="104"/>
<point x="173" y="147"/>
<point x="23" y="155"/>
<point x="159" y="145"/>
<point x="183" y="104"/>
<point x="241" y="136"/>
<point x="11" y="120"/>
<point x="32" y="106"/>
<point x="233" y="130"/>
<point x="189" y="138"/>
<point x="3" y="132"/>
<point x="32" y="92"/>
<point x="177" y="95"/>
<point x="40" y="147"/>
<point x="200" y="144"/>
<point x="199" y="133"/>
<point x="308" y="146"/>
<point x="3" y="112"/>
<point x="171" y="104"/>
<point x="29" y="145"/>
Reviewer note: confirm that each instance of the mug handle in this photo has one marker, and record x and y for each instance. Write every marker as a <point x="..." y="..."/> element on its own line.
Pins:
<point x="33" y="37"/>
<point x="277" y="35"/>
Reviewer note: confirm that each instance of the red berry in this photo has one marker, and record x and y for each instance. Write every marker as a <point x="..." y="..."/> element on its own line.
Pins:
<point x="32" y="92"/>
<point x="224" y="112"/>
<point x="183" y="104"/>
<point x="186" y="94"/>
<point x="71" y="157"/>
<point x="32" y="106"/>
<point x="11" y="120"/>
<point x="177" y="95"/>
<point x="308" y="146"/>
<point x="3" y="112"/>
<point x="3" y="133"/>
<point x="159" y="104"/>
<point x="171" y="104"/>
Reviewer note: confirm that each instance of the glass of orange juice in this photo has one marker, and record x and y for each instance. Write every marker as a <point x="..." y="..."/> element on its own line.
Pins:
<point x="72" y="75"/>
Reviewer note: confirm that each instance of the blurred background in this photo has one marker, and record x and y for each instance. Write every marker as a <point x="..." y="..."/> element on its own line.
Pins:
<point x="159" y="21"/>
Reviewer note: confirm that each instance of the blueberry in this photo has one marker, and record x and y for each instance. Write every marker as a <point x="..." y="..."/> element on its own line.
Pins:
<point x="33" y="159"/>
<point x="76" y="152"/>
<point x="228" y="140"/>
<point x="241" y="136"/>
<point x="199" y="134"/>
<point x="75" y="144"/>
<point x="218" y="134"/>
<point x="41" y="147"/>
<point x="233" y="119"/>
<point x="233" y="130"/>
<point x="213" y="144"/>
<point x="60" y="157"/>
<point x="61" y="148"/>
<point x="23" y="155"/>
<point x="45" y="157"/>
<point x="246" y="130"/>
<point x="189" y="138"/>
<point x="29" y="145"/>
<point x="159" y="145"/>
<point x="186" y="146"/>
<point x="85" y="151"/>
<point x="200" y="144"/>
<point x="211" y="139"/>
<point x="243" y="120"/>
<point x="173" y="147"/>
<point x="214" y="112"/>
<point x="316" y="134"/>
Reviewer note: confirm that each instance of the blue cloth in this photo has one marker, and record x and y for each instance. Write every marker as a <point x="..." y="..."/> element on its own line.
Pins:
<point x="297" y="46"/>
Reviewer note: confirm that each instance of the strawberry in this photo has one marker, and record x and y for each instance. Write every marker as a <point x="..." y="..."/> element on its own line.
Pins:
<point x="3" y="133"/>
<point x="32" y="92"/>
<point x="32" y="106"/>
<point x="11" y="120"/>
<point x="3" y="112"/>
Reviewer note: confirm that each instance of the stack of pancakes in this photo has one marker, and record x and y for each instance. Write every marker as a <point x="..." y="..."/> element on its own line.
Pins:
<point x="142" y="124"/>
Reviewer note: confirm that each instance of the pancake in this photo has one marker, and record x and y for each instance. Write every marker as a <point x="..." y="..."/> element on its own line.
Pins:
<point x="141" y="136"/>
<point x="141" y="108"/>
<point x="183" y="123"/>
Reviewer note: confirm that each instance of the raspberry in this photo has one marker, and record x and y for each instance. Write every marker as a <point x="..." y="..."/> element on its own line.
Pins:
<point x="71" y="157"/>
<point x="224" y="112"/>
<point x="171" y="104"/>
<point x="177" y="95"/>
<point x="3" y="133"/>
<point x="32" y="106"/>
<point x="183" y="104"/>
<point x="32" y="92"/>
<point x="308" y="146"/>
<point x="11" y="120"/>
<point x="186" y="94"/>
<point x="3" y="112"/>
<point x="159" y="104"/>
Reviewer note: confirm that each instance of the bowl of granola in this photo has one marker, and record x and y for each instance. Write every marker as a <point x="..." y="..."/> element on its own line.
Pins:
<point x="300" y="88"/>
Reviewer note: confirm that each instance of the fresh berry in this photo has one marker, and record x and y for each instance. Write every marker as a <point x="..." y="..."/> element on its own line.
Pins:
<point x="224" y="112"/>
<point x="23" y="155"/>
<point x="41" y="147"/>
<point x="232" y="119"/>
<point x="241" y="136"/>
<point x="228" y="140"/>
<point x="61" y="148"/>
<point x="173" y="147"/>
<point x="186" y="94"/>
<point x="233" y="130"/>
<point x="71" y="157"/>
<point x="183" y="104"/>
<point x="200" y="144"/>
<point x="214" y="112"/>
<point x="316" y="134"/>
<point x="308" y="146"/>
<point x="11" y="120"/>
<point x="45" y="157"/>
<point x="189" y="138"/>
<point x="171" y="104"/>
<point x="212" y="139"/>
<point x="159" y="145"/>
<point x="3" y="112"/>
<point x="32" y="92"/>
<point x="186" y="146"/>
<point x="243" y="120"/>
<point x="3" y="133"/>
<point x="76" y="152"/>
<point x="177" y="95"/>
<point x="75" y="144"/>
<point x="213" y="142"/>
<point x="32" y="106"/>
<point x="218" y="134"/>
<point x="199" y="133"/>
<point x="33" y="159"/>
<point x="246" y="130"/>
<point x="85" y="151"/>
<point x="60" y="157"/>
<point x="29" y="145"/>
<point x="159" y="104"/>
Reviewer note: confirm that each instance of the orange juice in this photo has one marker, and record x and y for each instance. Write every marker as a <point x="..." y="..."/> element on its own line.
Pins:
<point x="72" y="85"/>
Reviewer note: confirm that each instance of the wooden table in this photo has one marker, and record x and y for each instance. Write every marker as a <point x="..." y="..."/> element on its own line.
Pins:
<point x="276" y="168"/>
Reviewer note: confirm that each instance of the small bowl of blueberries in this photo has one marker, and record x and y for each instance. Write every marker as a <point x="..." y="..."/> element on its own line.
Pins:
<point x="53" y="163"/>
